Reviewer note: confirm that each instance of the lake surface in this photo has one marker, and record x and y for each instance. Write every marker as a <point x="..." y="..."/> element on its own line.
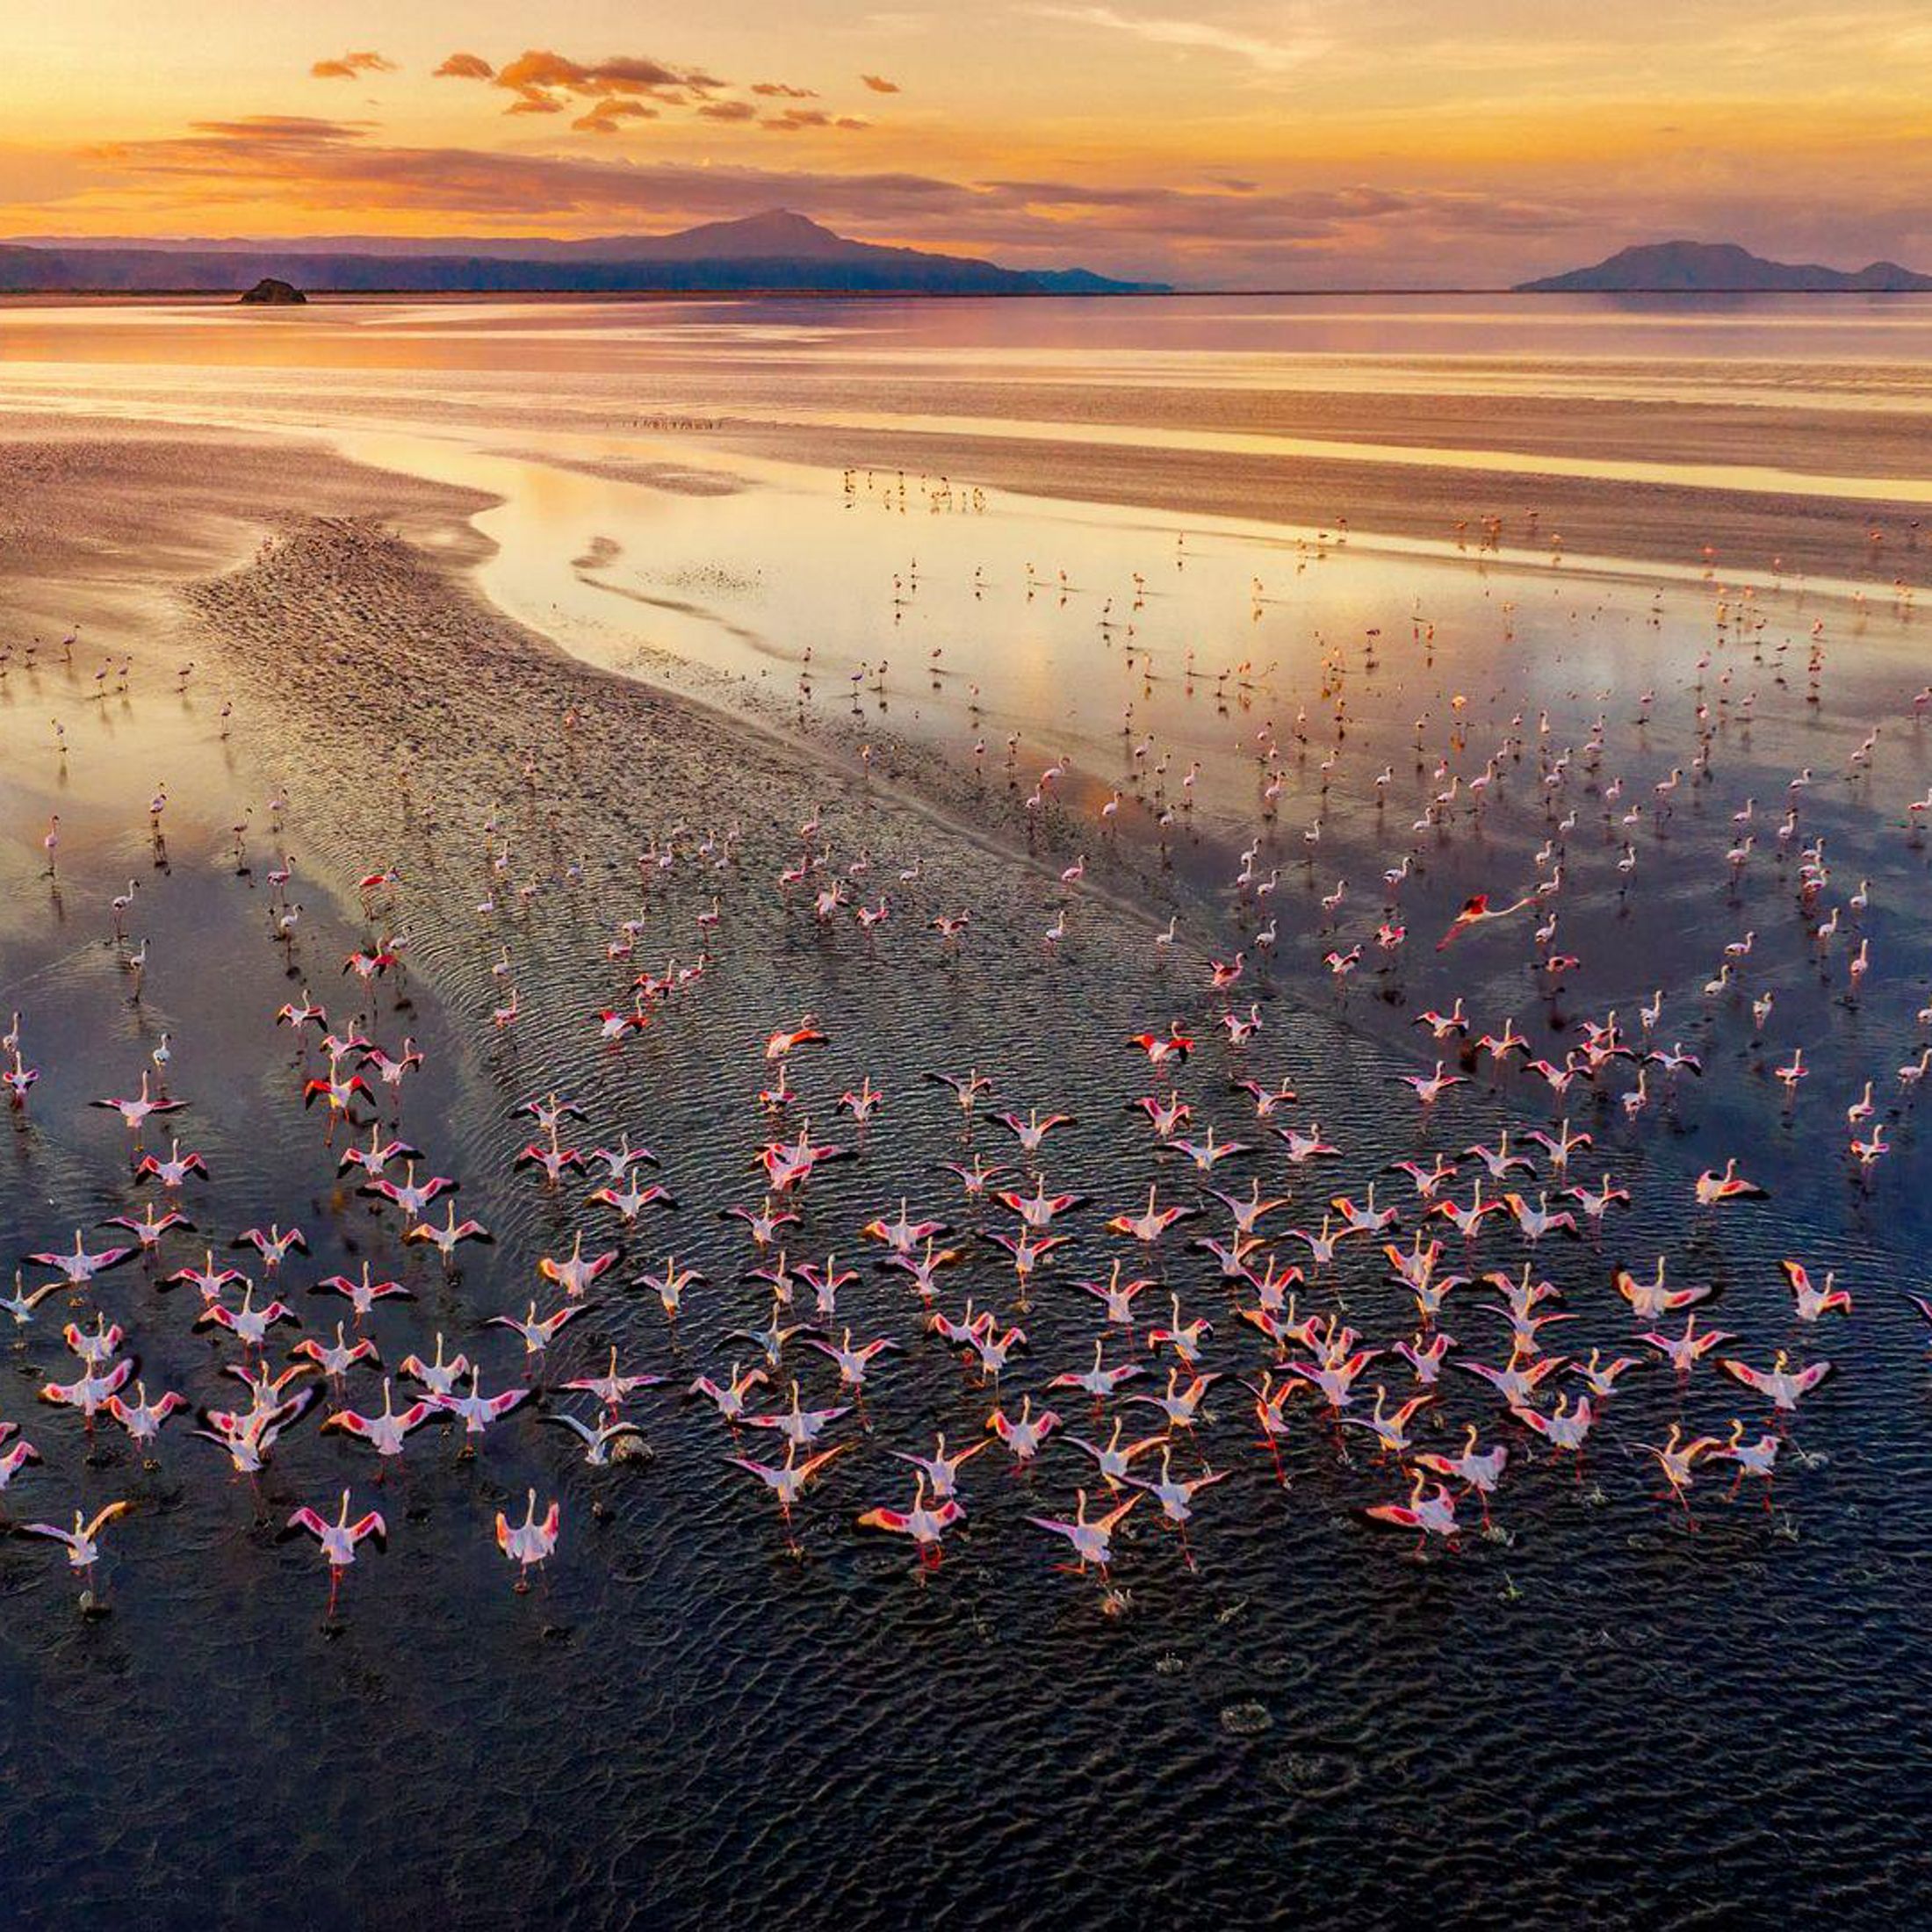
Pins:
<point x="787" y="512"/>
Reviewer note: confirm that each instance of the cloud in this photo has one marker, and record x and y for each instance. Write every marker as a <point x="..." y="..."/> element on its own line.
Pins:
<point x="1265" y="56"/>
<point x="334" y="164"/>
<point x="879" y="84"/>
<point x="1224" y="236"/>
<point x="544" y="81"/>
<point x="300" y="131"/>
<point x="797" y="120"/>
<point x="609" y="116"/>
<point x="350" y="65"/>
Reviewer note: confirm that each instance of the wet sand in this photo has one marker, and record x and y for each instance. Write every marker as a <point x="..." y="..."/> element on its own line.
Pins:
<point x="332" y="606"/>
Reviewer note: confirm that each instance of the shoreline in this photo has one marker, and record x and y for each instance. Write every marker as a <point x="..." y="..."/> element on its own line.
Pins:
<point x="1634" y="526"/>
<point x="232" y="297"/>
<point x="199" y="558"/>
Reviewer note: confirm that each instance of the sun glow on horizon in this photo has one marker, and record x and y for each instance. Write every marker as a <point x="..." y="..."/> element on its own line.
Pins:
<point x="1237" y="144"/>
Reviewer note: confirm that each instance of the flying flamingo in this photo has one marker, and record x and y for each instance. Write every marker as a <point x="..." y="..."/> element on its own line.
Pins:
<point x="83" y="1542"/>
<point x="1092" y="1537"/>
<point x="1429" y="1512"/>
<point x="1176" y="1495"/>
<point x="338" y="1540"/>
<point x="1782" y="1385"/>
<point x="787" y="1481"/>
<point x="1475" y="911"/>
<point x="1479" y="1471"/>
<point x="927" y="1523"/>
<point x="387" y="1434"/>
<point x="531" y="1543"/>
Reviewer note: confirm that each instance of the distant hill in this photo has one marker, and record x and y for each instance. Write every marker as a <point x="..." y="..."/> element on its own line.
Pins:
<point x="778" y="251"/>
<point x="1720" y="268"/>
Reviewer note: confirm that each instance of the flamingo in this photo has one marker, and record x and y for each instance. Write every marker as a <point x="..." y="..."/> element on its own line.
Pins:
<point x="787" y="1481"/>
<point x="1025" y="1434"/>
<point x="600" y="1438"/>
<point x="1390" y="1431"/>
<point x="248" y="1324"/>
<point x="1757" y="1458"/>
<point x="83" y="1541"/>
<point x="475" y="1410"/>
<point x="1429" y="1512"/>
<point x="574" y="1274"/>
<point x="940" y="1471"/>
<point x="1679" y="1458"/>
<point x="611" y="1388"/>
<point x="363" y="1295"/>
<point x="1475" y="911"/>
<point x="1782" y="1385"/>
<point x="446" y="1238"/>
<point x="80" y="1267"/>
<point x="1090" y="1537"/>
<point x="1479" y="1471"/>
<point x="1175" y="1494"/>
<point x="335" y="1358"/>
<point x="730" y="1396"/>
<point x="387" y="1434"/>
<point x="1713" y="1187"/>
<point x="1149" y="1226"/>
<point x="249" y="1436"/>
<point x="532" y="1543"/>
<point x="137" y="1112"/>
<point x="1811" y="1302"/>
<point x="338" y="1540"/>
<point x="927" y="1523"/>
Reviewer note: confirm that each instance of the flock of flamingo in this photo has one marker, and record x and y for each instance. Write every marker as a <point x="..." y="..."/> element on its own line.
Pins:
<point x="1210" y="1304"/>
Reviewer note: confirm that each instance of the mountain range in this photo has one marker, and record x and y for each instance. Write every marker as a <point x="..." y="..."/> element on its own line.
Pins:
<point x="1721" y="268"/>
<point x="778" y="251"/>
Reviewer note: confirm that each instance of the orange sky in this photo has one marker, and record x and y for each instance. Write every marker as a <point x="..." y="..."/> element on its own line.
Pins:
<point x="1304" y="142"/>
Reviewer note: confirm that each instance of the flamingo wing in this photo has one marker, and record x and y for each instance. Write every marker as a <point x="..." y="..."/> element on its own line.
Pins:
<point x="106" y="1515"/>
<point x="1398" y="1514"/>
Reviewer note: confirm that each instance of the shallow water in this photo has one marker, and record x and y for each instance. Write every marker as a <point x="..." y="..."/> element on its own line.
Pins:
<point x="1599" y="1712"/>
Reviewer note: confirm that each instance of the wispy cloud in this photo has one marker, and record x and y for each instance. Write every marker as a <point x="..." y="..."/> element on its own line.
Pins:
<point x="1263" y="54"/>
<point x="1216" y="232"/>
<point x="346" y="67"/>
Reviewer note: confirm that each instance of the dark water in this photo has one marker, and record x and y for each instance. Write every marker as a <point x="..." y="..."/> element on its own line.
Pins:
<point x="1596" y="1711"/>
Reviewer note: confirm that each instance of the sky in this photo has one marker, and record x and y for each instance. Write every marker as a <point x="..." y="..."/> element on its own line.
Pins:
<point x="1296" y="144"/>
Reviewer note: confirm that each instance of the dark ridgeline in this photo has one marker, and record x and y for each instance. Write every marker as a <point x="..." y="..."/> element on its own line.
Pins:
<point x="777" y="251"/>
<point x="270" y="293"/>
<point x="1721" y="268"/>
